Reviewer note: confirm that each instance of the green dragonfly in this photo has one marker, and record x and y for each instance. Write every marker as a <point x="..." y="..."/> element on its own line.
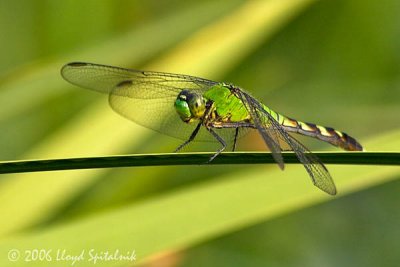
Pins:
<point x="192" y="108"/>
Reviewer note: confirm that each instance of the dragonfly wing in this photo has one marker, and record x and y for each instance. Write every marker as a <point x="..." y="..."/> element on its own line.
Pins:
<point x="315" y="168"/>
<point x="105" y="79"/>
<point x="139" y="104"/>
<point x="267" y="133"/>
<point x="155" y="113"/>
<point x="275" y="132"/>
<point x="144" y="97"/>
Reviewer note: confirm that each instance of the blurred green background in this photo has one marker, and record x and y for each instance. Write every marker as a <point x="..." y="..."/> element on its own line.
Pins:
<point x="335" y="63"/>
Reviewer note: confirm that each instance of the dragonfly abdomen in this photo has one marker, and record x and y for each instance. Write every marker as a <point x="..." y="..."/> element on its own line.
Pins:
<point x="326" y="134"/>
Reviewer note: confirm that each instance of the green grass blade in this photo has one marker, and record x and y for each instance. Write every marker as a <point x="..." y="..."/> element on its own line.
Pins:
<point x="166" y="159"/>
<point x="185" y="217"/>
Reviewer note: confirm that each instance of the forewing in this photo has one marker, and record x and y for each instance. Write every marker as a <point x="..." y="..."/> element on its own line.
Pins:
<point x="275" y="133"/>
<point x="105" y="79"/>
<point x="144" y="97"/>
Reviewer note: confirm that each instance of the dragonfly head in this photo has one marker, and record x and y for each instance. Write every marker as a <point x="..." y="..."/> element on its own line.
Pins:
<point x="190" y="105"/>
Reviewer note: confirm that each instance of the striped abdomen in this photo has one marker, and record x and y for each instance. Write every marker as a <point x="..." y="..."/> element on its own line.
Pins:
<point x="326" y="134"/>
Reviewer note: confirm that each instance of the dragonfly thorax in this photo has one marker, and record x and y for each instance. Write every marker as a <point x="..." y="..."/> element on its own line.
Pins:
<point x="190" y="105"/>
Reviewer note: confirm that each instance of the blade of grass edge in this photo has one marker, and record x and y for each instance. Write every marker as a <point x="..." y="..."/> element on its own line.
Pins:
<point x="201" y="158"/>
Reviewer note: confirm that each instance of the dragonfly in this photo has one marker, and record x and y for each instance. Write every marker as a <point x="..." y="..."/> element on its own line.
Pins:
<point x="196" y="109"/>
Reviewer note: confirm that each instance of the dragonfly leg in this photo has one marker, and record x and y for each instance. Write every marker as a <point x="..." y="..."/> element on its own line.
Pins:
<point x="192" y="136"/>
<point x="235" y="139"/>
<point x="235" y="125"/>
<point x="222" y="141"/>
